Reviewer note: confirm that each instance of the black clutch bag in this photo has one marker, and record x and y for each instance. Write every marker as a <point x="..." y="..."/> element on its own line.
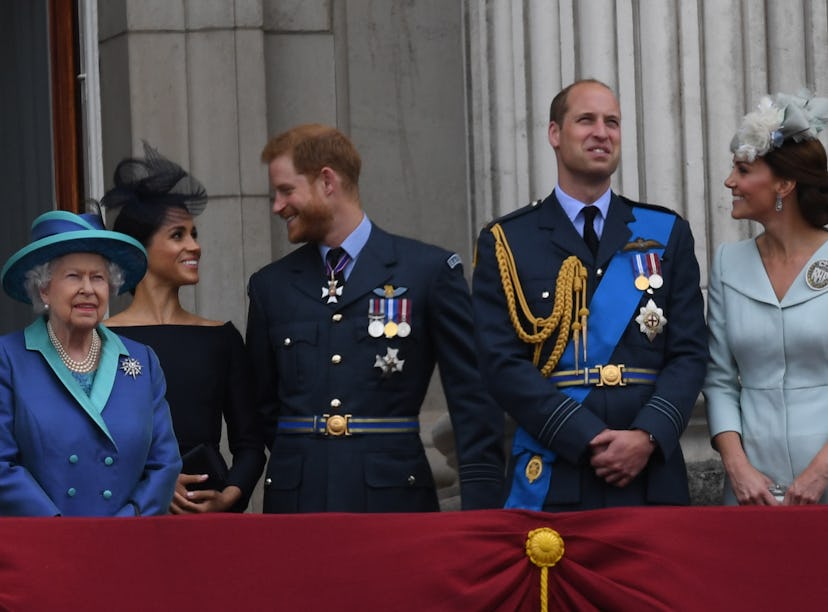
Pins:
<point x="204" y="459"/>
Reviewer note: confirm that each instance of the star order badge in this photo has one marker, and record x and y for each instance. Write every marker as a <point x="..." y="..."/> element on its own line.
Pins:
<point x="651" y="320"/>
<point x="130" y="367"/>
<point x="390" y="362"/>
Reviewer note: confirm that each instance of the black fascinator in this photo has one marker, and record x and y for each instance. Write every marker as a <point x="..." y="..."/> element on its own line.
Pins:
<point x="154" y="180"/>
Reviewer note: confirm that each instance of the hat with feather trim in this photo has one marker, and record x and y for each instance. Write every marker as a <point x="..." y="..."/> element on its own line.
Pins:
<point x="154" y="180"/>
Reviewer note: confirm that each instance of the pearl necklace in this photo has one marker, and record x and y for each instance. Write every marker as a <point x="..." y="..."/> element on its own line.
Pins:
<point x="81" y="367"/>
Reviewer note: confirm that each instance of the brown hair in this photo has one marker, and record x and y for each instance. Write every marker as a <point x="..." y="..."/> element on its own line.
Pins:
<point x="558" y="108"/>
<point x="804" y="162"/>
<point x="313" y="146"/>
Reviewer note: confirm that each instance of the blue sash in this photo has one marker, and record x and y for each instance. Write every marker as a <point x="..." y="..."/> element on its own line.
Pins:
<point x="610" y="310"/>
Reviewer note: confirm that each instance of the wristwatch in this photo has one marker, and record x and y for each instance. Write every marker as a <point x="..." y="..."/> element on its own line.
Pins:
<point x="651" y="436"/>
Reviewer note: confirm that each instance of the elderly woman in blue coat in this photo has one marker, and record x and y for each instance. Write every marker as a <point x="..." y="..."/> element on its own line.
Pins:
<point x="84" y="426"/>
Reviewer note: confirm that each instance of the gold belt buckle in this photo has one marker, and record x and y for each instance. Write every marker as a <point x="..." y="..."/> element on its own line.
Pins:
<point x="336" y="425"/>
<point x="611" y="375"/>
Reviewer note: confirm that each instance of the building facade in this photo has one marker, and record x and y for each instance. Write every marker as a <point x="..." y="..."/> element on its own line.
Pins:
<point x="447" y="102"/>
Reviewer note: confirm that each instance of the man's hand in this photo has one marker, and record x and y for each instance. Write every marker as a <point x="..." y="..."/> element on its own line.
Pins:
<point x="619" y="455"/>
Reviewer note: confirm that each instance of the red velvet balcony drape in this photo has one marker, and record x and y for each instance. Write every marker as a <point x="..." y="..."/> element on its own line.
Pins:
<point x="619" y="559"/>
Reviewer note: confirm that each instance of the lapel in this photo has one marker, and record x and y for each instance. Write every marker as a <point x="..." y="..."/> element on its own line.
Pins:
<point x="616" y="234"/>
<point x="563" y="234"/>
<point x="561" y="231"/>
<point x="799" y="291"/>
<point x="37" y="339"/>
<point x="744" y="272"/>
<point x="308" y="272"/>
<point x="373" y="266"/>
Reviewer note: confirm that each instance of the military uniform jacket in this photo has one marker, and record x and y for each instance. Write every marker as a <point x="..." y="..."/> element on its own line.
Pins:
<point x="541" y="237"/>
<point x="313" y="358"/>
<point x="111" y="453"/>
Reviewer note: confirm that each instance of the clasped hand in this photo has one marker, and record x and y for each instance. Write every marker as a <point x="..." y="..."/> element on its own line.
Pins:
<point x="618" y="456"/>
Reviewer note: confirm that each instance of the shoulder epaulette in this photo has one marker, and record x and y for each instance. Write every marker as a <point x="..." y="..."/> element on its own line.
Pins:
<point x="534" y="205"/>
<point x="655" y="207"/>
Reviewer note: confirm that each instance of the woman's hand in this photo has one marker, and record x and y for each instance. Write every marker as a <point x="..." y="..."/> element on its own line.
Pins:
<point x="809" y="486"/>
<point x="196" y="502"/>
<point x="750" y="486"/>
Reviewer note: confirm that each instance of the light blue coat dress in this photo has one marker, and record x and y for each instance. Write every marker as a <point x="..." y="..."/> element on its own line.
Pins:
<point x="63" y="452"/>
<point x="768" y="375"/>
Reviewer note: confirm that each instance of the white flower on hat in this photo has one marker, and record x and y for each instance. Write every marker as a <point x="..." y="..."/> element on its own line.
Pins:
<point x="777" y="119"/>
<point x="756" y="135"/>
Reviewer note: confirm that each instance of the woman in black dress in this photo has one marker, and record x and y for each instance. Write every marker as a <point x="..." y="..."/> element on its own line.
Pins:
<point x="204" y="361"/>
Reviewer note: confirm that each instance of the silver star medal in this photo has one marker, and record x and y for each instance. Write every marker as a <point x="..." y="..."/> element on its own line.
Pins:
<point x="131" y="367"/>
<point x="389" y="363"/>
<point x="651" y="320"/>
<point x="332" y="291"/>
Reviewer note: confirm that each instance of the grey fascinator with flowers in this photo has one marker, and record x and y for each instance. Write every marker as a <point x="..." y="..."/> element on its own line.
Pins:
<point x="777" y="119"/>
<point x="155" y="179"/>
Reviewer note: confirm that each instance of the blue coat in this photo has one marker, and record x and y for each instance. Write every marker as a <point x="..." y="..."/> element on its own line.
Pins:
<point x="313" y="358"/>
<point x="112" y="453"/>
<point x="768" y="375"/>
<point x="541" y="237"/>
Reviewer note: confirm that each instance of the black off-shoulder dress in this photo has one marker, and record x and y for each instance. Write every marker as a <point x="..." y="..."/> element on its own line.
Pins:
<point x="208" y="378"/>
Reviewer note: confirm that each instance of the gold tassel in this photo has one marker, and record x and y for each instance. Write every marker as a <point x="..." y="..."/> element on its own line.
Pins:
<point x="544" y="547"/>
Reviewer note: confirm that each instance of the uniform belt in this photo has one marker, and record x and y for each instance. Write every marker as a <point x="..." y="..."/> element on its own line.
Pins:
<point x="610" y="375"/>
<point x="345" y="425"/>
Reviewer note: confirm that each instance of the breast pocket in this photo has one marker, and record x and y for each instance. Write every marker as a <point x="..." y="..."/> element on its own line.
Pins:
<point x="392" y="361"/>
<point x="282" y="483"/>
<point x="295" y="345"/>
<point x="540" y="296"/>
<point x="399" y="482"/>
<point x="648" y="328"/>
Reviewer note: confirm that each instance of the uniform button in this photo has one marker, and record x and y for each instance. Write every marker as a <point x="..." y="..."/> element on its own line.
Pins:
<point x="336" y="359"/>
<point x="411" y="480"/>
<point x="107" y="494"/>
<point x="545" y="294"/>
<point x="71" y="492"/>
<point x="109" y="461"/>
<point x="268" y="482"/>
<point x="337" y="318"/>
<point x="336" y="403"/>
<point x="73" y="458"/>
<point x="287" y="341"/>
<point x="600" y="272"/>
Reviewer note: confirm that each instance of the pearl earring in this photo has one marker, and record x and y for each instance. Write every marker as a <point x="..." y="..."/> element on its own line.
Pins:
<point x="778" y="206"/>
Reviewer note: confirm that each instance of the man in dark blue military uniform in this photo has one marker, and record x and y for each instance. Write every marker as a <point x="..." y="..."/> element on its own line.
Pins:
<point x="590" y="327"/>
<point x="344" y="334"/>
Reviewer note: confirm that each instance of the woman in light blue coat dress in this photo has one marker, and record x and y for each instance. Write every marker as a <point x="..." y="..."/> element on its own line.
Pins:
<point x="767" y="383"/>
<point x="84" y="426"/>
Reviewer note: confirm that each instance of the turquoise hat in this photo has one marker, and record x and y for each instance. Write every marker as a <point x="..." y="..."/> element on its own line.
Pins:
<point x="59" y="232"/>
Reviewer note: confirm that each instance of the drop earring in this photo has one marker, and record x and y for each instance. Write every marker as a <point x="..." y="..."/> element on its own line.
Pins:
<point x="778" y="206"/>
